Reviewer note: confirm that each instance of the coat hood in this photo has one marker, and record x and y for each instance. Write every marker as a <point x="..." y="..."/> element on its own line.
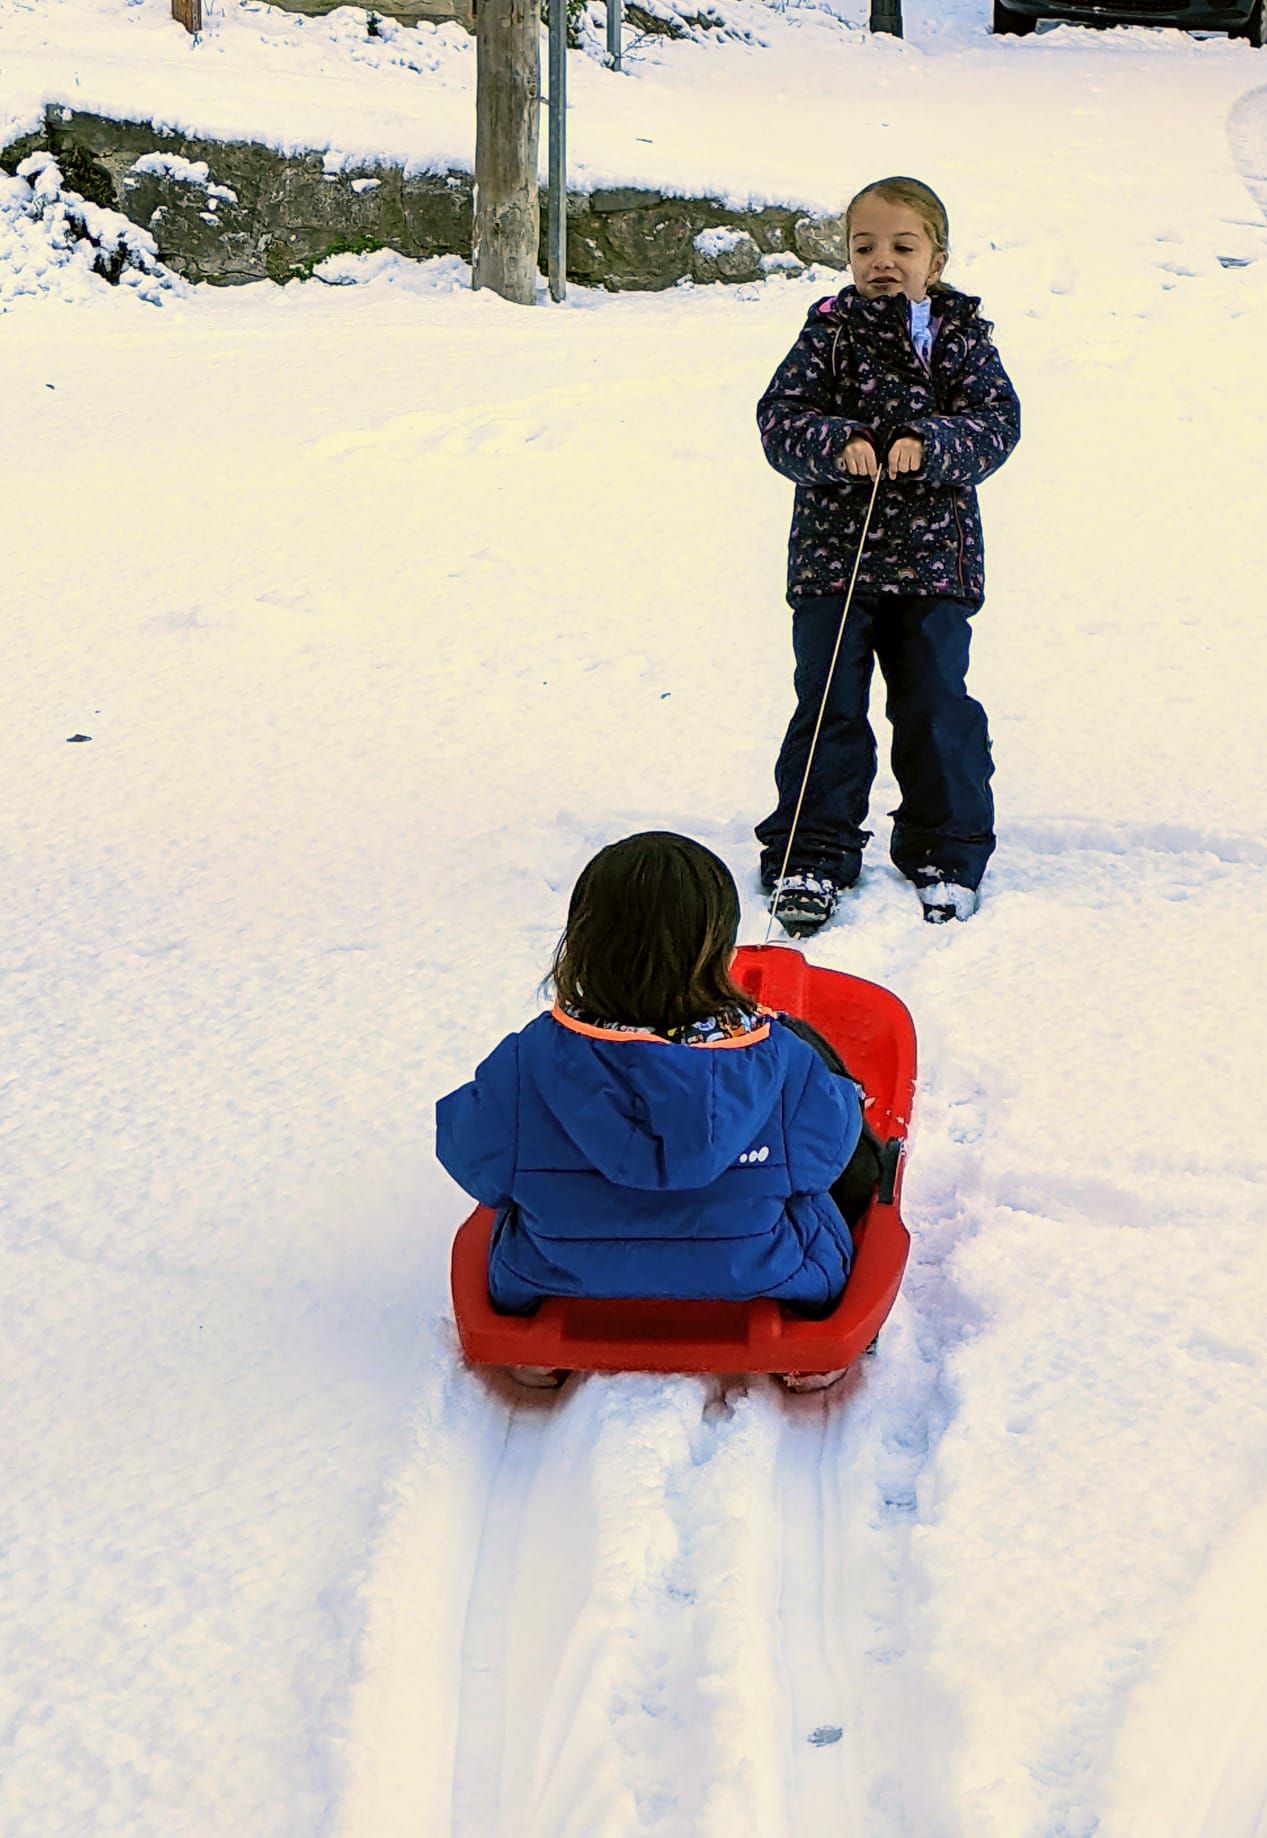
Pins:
<point x="649" y="1113"/>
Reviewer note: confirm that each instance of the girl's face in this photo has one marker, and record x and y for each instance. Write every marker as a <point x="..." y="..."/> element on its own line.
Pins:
<point x="891" y="252"/>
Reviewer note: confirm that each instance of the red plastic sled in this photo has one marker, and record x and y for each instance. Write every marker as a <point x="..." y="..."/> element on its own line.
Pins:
<point x="874" y="1034"/>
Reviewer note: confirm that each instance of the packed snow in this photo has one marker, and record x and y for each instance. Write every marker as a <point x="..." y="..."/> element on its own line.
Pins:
<point x="371" y="609"/>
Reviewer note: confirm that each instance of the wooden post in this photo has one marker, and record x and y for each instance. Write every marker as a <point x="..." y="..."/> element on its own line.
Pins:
<point x="189" y="13"/>
<point x="886" y="16"/>
<point x="506" y="234"/>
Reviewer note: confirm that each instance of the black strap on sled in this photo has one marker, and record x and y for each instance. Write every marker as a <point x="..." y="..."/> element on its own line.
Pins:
<point x="890" y="1159"/>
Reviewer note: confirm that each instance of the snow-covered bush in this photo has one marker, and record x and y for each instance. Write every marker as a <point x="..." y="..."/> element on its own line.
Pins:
<point x="650" y="25"/>
<point x="52" y="241"/>
<point x="647" y="22"/>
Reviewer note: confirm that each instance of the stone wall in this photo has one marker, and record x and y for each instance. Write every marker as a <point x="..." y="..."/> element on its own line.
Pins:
<point x="233" y="211"/>
<point x="410" y="11"/>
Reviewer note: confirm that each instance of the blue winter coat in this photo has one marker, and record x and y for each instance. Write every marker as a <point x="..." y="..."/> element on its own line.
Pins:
<point x="621" y="1164"/>
<point x="853" y="369"/>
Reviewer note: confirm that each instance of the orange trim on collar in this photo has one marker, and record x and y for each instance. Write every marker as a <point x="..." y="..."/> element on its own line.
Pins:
<point x="620" y="1034"/>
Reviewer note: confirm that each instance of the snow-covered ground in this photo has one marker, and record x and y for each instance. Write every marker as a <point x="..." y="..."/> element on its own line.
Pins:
<point x="383" y="606"/>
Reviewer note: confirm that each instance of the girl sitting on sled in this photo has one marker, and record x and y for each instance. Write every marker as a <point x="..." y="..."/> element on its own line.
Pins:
<point x="655" y="1134"/>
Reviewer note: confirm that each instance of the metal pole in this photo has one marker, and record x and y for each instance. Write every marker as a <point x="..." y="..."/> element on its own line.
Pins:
<point x="886" y="16"/>
<point x="557" y="234"/>
<point x="614" y="11"/>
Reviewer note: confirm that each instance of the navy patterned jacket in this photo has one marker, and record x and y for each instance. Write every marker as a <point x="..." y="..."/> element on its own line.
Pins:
<point x="854" y="369"/>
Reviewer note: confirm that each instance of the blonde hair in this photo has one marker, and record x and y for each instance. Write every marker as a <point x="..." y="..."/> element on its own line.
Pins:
<point x="917" y="196"/>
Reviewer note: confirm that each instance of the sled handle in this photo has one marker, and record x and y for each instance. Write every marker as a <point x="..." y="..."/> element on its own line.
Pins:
<point x="890" y="1162"/>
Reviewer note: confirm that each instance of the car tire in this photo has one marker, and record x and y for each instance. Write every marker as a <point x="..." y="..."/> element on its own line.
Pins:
<point x="1016" y="25"/>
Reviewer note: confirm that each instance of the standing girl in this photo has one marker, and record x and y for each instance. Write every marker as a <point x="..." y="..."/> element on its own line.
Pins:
<point x="896" y="375"/>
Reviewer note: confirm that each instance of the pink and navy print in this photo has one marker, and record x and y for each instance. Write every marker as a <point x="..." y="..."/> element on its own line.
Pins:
<point x="855" y="369"/>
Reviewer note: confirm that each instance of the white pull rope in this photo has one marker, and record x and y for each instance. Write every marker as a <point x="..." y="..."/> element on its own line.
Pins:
<point x="822" y="707"/>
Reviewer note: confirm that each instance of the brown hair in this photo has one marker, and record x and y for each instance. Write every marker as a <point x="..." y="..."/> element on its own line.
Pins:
<point x="649" y="935"/>
<point x="918" y="197"/>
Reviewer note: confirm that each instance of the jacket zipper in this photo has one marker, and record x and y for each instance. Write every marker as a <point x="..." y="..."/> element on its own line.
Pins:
<point x="960" y="571"/>
<point x="926" y="368"/>
<point x="954" y="505"/>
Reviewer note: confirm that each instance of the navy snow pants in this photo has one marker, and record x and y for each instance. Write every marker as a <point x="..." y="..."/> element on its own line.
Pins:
<point x="943" y="829"/>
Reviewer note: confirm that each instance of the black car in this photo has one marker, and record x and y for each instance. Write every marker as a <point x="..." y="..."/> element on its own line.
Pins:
<point x="1238" y="18"/>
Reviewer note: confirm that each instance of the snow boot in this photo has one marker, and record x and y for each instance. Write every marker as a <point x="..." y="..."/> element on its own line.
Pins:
<point x="538" y="1378"/>
<point x="946" y="900"/>
<point x="804" y="901"/>
<point x="811" y="1381"/>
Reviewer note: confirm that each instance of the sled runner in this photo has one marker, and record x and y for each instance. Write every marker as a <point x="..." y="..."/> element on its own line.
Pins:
<point x="873" y="1032"/>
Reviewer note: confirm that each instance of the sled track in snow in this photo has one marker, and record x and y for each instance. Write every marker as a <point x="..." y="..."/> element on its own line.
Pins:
<point x="672" y="1606"/>
<point x="687" y="1613"/>
<point x="859" y="1710"/>
<point x="819" y="1626"/>
<point x="492" y="1701"/>
<point x="599" y="1654"/>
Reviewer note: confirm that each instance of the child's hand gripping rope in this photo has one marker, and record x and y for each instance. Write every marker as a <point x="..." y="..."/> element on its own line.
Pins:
<point x="859" y="458"/>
